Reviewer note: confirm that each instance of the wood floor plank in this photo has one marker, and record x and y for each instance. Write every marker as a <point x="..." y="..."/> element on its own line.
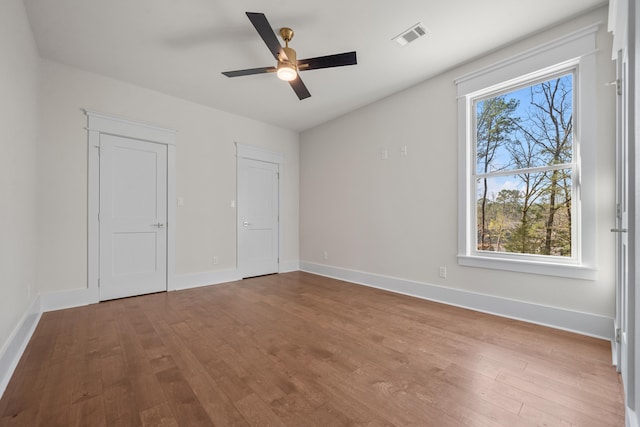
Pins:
<point x="56" y="398"/>
<point x="88" y="412"/>
<point x="298" y="349"/>
<point x="158" y="416"/>
<point x="146" y="387"/>
<point x="182" y="400"/>
<point x="211" y="395"/>
<point x="257" y="413"/>
<point x="118" y="395"/>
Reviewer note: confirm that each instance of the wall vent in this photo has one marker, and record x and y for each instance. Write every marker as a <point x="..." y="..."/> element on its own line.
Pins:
<point x="413" y="33"/>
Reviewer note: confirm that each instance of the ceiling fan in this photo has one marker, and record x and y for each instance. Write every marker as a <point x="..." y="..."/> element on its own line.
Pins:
<point x="288" y="66"/>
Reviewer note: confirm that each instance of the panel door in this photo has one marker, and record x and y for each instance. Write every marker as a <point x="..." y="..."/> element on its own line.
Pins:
<point x="133" y="217"/>
<point x="624" y="316"/>
<point x="257" y="217"/>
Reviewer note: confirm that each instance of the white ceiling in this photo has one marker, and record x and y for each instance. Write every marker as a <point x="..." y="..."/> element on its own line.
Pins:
<point x="180" y="47"/>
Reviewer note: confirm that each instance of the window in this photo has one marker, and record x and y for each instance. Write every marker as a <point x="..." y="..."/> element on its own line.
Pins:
<point x="527" y="161"/>
<point x="524" y="169"/>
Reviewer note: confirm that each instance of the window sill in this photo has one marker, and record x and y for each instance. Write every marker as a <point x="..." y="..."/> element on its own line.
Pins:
<point x="533" y="267"/>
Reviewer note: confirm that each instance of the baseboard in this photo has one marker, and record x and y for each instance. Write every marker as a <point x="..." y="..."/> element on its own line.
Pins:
<point x="289" y="266"/>
<point x="12" y="350"/>
<point x="60" y="300"/>
<point x="196" y="280"/>
<point x="573" y="321"/>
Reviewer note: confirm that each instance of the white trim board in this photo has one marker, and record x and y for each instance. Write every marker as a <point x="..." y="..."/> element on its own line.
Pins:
<point x="258" y="153"/>
<point x="100" y="123"/>
<point x="206" y="278"/>
<point x="120" y="126"/>
<point x="60" y="300"/>
<point x="289" y="266"/>
<point x="556" y="51"/>
<point x="216" y="277"/>
<point x="70" y="298"/>
<point x="568" y="320"/>
<point x="14" y="347"/>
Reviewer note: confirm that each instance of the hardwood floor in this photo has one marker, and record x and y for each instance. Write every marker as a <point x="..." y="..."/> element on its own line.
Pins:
<point x="302" y="350"/>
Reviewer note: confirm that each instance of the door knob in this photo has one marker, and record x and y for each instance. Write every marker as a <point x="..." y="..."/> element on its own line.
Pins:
<point x="246" y="223"/>
<point x="619" y="230"/>
<point x="159" y="225"/>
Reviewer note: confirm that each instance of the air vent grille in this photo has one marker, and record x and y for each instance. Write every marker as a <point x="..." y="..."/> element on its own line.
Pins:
<point x="413" y="33"/>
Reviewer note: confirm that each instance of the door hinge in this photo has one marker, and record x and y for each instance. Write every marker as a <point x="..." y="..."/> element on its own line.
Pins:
<point x="619" y="87"/>
<point x="618" y="335"/>
<point x="618" y="211"/>
<point x="98" y="282"/>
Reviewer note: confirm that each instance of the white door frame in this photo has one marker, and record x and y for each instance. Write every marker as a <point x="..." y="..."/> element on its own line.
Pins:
<point x="624" y="355"/>
<point x="257" y="153"/>
<point x="624" y="17"/>
<point x="633" y="93"/>
<point x="621" y="206"/>
<point x="99" y="123"/>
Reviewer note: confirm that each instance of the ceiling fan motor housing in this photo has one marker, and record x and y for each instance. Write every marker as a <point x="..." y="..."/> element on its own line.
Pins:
<point x="291" y="56"/>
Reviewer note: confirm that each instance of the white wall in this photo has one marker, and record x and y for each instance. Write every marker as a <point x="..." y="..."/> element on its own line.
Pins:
<point x="205" y="168"/>
<point x="18" y="196"/>
<point x="398" y="217"/>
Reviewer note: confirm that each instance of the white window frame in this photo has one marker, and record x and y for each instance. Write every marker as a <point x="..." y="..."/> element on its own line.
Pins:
<point x="575" y="51"/>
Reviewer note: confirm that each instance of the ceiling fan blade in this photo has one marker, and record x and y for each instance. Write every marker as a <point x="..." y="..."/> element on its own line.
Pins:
<point x="337" y="60"/>
<point x="299" y="88"/>
<point x="266" y="32"/>
<point x="249" y="71"/>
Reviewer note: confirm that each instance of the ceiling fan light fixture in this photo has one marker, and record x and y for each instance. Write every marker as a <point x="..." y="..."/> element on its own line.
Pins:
<point x="286" y="71"/>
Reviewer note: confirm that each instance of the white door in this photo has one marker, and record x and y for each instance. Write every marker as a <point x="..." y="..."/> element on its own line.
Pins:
<point x="257" y="217"/>
<point x="624" y="337"/>
<point x="133" y="217"/>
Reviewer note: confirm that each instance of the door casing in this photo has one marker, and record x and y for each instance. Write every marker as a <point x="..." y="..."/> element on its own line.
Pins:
<point x="99" y="123"/>
<point x="256" y="153"/>
<point x="623" y="344"/>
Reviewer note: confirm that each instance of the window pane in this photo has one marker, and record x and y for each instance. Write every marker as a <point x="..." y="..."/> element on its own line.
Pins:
<point x="526" y="128"/>
<point x="525" y="213"/>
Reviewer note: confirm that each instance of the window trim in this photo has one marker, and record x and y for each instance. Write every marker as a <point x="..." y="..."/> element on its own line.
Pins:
<point x="575" y="50"/>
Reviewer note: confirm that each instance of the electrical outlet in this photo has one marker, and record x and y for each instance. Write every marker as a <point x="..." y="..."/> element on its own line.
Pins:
<point x="443" y="272"/>
<point x="325" y="255"/>
<point x="214" y="261"/>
